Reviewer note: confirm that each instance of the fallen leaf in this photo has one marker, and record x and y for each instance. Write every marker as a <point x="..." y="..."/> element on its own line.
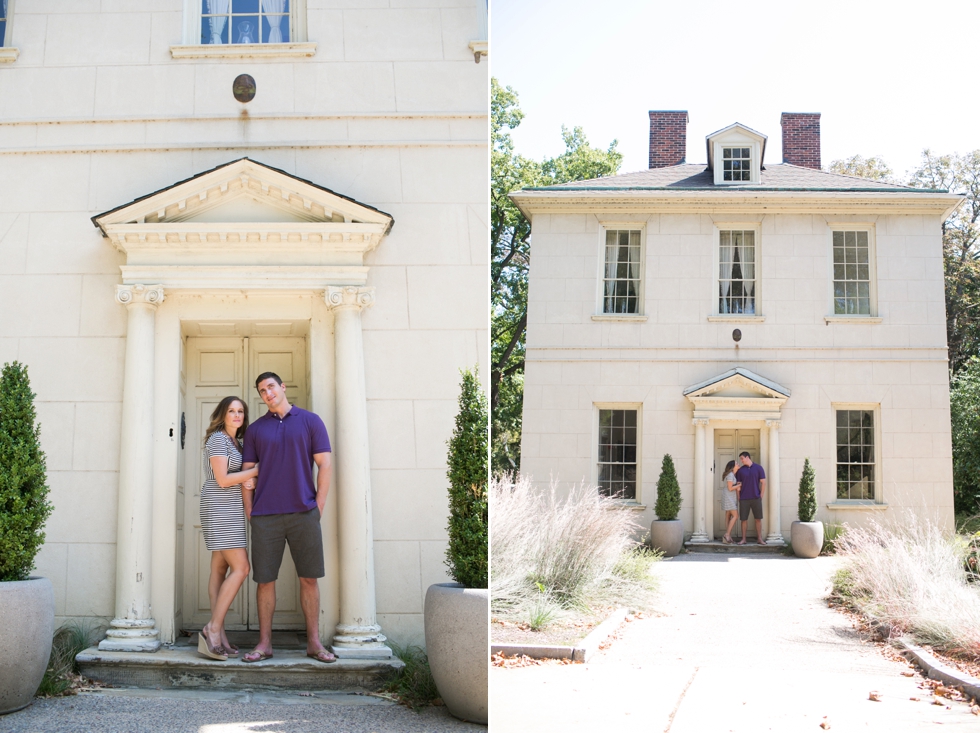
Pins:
<point x="438" y="702"/>
<point x="825" y="725"/>
<point x="975" y="709"/>
<point x="908" y="673"/>
<point x="915" y="699"/>
<point x="937" y="701"/>
<point x="875" y="696"/>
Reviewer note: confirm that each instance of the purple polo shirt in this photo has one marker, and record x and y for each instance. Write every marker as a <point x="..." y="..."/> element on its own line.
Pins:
<point x="284" y="451"/>
<point x="748" y="475"/>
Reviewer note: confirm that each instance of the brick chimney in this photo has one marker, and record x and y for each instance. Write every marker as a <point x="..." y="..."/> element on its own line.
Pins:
<point x="801" y="138"/>
<point x="668" y="138"/>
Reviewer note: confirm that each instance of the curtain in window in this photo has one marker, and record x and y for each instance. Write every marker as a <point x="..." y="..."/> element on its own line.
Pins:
<point x="747" y="259"/>
<point x="274" y="6"/>
<point x="726" y="258"/>
<point x="612" y="271"/>
<point x="218" y="8"/>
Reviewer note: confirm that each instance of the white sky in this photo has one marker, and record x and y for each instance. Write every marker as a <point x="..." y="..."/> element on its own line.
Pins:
<point x="889" y="78"/>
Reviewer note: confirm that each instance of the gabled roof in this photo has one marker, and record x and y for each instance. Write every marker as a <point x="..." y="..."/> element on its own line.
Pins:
<point x="738" y="377"/>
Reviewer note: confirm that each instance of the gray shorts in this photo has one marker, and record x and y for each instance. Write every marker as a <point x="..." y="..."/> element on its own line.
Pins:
<point x="271" y="532"/>
<point x="745" y="504"/>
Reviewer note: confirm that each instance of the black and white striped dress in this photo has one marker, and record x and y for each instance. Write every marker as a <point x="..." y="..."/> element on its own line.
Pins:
<point x="222" y="511"/>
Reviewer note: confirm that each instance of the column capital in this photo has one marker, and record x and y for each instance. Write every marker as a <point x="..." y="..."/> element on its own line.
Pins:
<point x="147" y="294"/>
<point x="700" y="421"/>
<point x="348" y="296"/>
<point x="774" y="424"/>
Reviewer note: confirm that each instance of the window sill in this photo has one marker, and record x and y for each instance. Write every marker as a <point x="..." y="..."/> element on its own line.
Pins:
<point x="622" y="317"/>
<point x="865" y="320"/>
<point x="8" y="54"/>
<point x="630" y="504"/>
<point x="244" y="51"/>
<point x="736" y="319"/>
<point x="870" y="505"/>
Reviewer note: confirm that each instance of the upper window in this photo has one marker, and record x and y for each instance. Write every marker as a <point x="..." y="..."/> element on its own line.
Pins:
<point x="617" y="453"/>
<point x="737" y="271"/>
<point x="3" y="22"/>
<point x="245" y="21"/>
<point x="853" y="273"/>
<point x="621" y="273"/>
<point x="736" y="164"/>
<point x="856" y="454"/>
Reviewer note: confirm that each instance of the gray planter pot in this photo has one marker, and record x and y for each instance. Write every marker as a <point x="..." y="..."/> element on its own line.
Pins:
<point x="27" y="610"/>
<point x="457" y="620"/>
<point x="667" y="535"/>
<point x="806" y="538"/>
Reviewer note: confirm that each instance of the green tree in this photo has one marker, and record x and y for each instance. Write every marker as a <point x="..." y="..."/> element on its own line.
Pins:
<point x="510" y="249"/>
<point x="467" y="553"/>
<point x="874" y="168"/>
<point x="807" y="508"/>
<point x="24" y="505"/>
<point x="964" y="404"/>
<point x="668" y="504"/>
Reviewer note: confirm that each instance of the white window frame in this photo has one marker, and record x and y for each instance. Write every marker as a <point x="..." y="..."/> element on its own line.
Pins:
<point x="878" y="501"/>
<point x="638" y="407"/>
<point x="832" y="316"/>
<point x="8" y="54"/>
<point x="755" y="167"/>
<point x="716" y="314"/>
<point x="192" y="47"/>
<point x="600" y="314"/>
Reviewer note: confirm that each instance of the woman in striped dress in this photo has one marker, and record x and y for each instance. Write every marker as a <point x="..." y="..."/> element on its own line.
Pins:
<point x="223" y="519"/>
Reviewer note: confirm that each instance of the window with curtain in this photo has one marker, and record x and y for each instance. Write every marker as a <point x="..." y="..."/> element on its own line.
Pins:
<point x="852" y="273"/>
<point x="855" y="454"/>
<point x="617" y="453"/>
<point x="621" y="275"/>
<point x="736" y="277"/>
<point x="244" y="21"/>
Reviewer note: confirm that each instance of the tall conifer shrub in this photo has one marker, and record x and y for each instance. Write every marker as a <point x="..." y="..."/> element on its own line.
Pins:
<point x="24" y="505"/>
<point x="668" y="491"/>
<point x="808" y="495"/>
<point x="468" y="473"/>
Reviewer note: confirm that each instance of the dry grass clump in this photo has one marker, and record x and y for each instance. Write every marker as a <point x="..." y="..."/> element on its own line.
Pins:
<point x="552" y="551"/>
<point x="910" y="575"/>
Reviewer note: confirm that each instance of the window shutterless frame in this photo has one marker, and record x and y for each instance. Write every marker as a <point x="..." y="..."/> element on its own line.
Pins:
<point x="612" y="442"/>
<point x="724" y="268"/>
<point x="851" y="450"/>
<point x="848" y="276"/>
<point x="633" y="231"/>
<point x="196" y="13"/>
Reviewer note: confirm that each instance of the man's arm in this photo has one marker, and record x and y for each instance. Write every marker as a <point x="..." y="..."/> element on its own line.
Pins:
<point x="762" y="488"/>
<point x="322" y="461"/>
<point x="247" y="494"/>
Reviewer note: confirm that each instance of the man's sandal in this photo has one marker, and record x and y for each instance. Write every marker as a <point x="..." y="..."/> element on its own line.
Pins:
<point x="257" y="656"/>
<point x="322" y="656"/>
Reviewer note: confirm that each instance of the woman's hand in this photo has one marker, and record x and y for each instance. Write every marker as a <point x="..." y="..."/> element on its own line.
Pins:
<point x="248" y="484"/>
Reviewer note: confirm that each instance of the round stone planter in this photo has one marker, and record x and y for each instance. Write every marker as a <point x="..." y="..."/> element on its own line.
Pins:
<point x="27" y="610"/>
<point x="457" y="644"/>
<point x="806" y="538"/>
<point x="667" y="535"/>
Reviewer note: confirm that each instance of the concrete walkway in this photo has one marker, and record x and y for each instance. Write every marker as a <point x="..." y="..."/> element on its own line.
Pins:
<point x="747" y="644"/>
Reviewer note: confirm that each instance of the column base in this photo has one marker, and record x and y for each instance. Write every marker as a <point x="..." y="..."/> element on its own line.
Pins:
<point x="360" y="642"/>
<point x="699" y="538"/>
<point x="131" y="635"/>
<point x="775" y="538"/>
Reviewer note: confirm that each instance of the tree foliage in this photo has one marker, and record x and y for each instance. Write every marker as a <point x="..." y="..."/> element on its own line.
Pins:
<point x="466" y="555"/>
<point x="807" y="508"/>
<point x="964" y="403"/>
<point x="874" y="168"/>
<point x="668" y="504"/>
<point x="510" y="247"/>
<point x="24" y="505"/>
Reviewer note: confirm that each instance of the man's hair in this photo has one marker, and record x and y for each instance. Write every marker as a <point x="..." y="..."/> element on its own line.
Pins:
<point x="743" y="454"/>
<point x="267" y="375"/>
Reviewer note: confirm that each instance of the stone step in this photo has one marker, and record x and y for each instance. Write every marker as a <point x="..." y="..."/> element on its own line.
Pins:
<point x="749" y="548"/>
<point x="180" y="666"/>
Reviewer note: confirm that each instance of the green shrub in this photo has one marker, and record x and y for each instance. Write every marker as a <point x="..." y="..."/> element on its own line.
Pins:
<point x="808" y="495"/>
<point x="964" y="409"/>
<point x="668" y="491"/>
<point x="412" y="685"/>
<point x="24" y="505"/>
<point x="62" y="670"/>
<point x="831" y="532"/>
<point x="467" y="552"/>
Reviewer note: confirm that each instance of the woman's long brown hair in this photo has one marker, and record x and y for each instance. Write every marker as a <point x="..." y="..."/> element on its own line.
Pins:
<point x="728" y="468"/>
<point x="218" y="418"/>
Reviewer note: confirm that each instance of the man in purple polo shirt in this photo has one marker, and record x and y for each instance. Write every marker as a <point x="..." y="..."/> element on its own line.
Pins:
<point x="753" y="480"/>
<point x="286" y="508"/>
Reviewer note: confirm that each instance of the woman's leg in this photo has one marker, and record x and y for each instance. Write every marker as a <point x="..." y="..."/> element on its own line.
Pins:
<point x="219" y="569"/>
<point x="237" y="559"/>
<point x="732" y="516"/>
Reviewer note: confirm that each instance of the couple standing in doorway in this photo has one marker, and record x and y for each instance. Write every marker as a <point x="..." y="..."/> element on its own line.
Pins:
<point x="263" y="473"/>
<point x="743" y="492"/>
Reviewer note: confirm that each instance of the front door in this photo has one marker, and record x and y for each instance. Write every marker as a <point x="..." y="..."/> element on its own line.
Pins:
<point x="728" y="444"/>
<point x="216" y="368"/>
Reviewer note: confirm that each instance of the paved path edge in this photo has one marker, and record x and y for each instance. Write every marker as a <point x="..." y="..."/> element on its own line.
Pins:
<point x="939" y="671"/>
<point x="581" y="653"/>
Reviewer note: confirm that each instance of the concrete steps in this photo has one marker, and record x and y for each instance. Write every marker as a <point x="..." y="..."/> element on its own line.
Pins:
<point x="749" y="548"/>
<point x="180" y="666"/>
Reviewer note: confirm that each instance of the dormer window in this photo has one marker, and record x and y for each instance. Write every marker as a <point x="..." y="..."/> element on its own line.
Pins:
<point x="737" y="164"/>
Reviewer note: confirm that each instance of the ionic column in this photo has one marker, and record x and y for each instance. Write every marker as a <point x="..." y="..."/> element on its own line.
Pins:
<point x="358" y="633"/>
<point x="133" y="629"/>
<point x="700" y="531"/>
<point x="772" y="485"/>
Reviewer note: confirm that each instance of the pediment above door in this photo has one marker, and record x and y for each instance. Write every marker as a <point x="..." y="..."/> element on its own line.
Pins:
<point x="736" y="394"/>
<point x="244" y="225"/>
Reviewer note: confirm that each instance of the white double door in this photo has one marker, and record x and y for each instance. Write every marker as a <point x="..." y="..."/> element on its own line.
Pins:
<point x="217" y="368"/>
<point x="728" y="444"/>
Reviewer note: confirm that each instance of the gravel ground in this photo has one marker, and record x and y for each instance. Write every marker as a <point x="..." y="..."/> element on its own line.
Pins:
<point x="128" y="711"/>
<point x="745" y="644"/>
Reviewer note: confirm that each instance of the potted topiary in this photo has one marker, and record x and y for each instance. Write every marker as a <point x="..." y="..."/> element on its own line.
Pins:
<point x="806" y="536"/>
<point x="457" y="614"/>
<point x="26" y="602"/>
<point x="666" y="531"/>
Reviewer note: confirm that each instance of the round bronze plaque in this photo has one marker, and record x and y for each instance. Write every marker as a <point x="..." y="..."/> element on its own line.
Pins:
<point x="243" y="88"/>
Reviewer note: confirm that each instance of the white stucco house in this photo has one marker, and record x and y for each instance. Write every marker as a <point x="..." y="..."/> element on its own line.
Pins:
<point x="162" y="243"/>
<point x="705" y="309"/>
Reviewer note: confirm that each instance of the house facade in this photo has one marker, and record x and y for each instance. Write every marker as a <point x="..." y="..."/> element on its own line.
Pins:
<point x="702" y="310"/>
<point x="193" y="192"/>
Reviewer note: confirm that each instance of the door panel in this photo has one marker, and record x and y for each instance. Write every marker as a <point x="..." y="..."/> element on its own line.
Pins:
<point x="728" y="444"/>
